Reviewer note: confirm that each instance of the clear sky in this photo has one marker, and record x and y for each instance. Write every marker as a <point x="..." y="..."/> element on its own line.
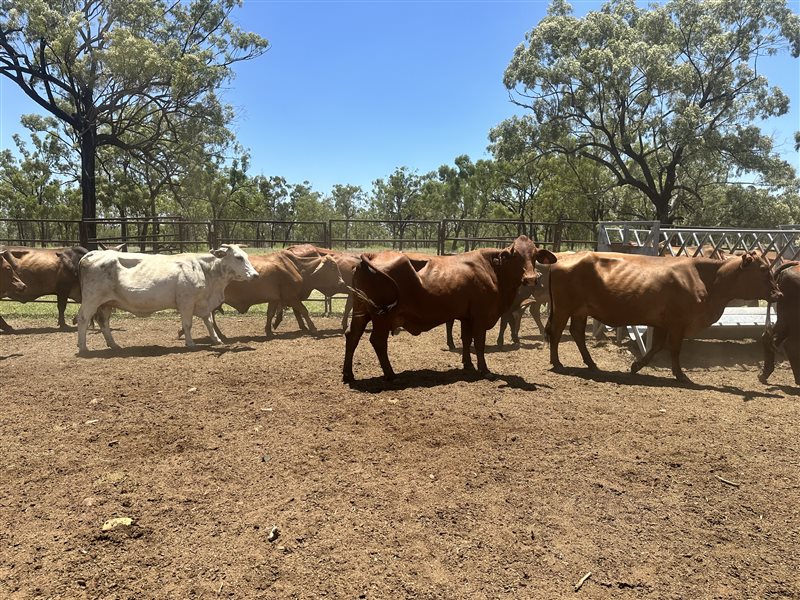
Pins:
<point x="350" y="90"/>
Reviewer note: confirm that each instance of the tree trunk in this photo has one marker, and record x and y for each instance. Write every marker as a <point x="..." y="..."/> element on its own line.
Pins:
<point x="88" y="140"/>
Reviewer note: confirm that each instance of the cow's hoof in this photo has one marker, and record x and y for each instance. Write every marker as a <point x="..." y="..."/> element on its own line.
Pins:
<point x="683" y="379"/>
<point x="488" y="375"/>
<point x="636" y="367"/>
<point x="557" y="367"/>
<point x="762" y="378"/>
<point x="592" y="366"/>
<point x="469" y="367"/>
<point x="114" y="346"/>
<point x="390" y="376"/>
<point x="83" y="352"/>
<point x="348" y="378"/>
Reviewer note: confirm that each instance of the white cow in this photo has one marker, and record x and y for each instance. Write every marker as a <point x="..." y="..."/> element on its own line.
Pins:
<point x="142" y="284"/>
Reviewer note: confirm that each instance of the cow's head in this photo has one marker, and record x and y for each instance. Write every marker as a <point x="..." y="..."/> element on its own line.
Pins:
<point x="8" y="272"/>
<point x="752" y="278"/>
<point x="235" y="262"/>
<point x="523" y="255"/>
<point x="327" y="269"/>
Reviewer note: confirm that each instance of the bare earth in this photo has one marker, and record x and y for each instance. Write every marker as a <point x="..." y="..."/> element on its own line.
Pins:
<point x="438" y="485"/>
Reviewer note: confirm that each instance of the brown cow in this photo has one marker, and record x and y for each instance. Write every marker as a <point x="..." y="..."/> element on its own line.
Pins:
<point x="677" y="296"/>
<point x="48" y="271"/>
<point x="393" y="290"/>
<point x="284" y="279"/>
<point x="9" y="281"/>
<point x="334" y="283"/>
<point x="786" y="330"/>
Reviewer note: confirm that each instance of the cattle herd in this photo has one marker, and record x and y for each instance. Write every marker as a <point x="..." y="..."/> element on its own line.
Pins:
<point x="676" y="296"/>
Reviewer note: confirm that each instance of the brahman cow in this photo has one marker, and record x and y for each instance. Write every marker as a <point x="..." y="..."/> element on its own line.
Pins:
<point x="786" y="330"/>
<point x="534" y="297"/>
<point x="677" y="296"/>
<point x="394" y="290"/>
<point x="46" y="271"/>
<point x="142" y="284"/>
<point x="284" y="279"/>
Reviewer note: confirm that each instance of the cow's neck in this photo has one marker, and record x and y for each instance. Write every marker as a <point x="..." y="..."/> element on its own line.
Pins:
<point x="719" y="278"/>
<point x="217" y="279"/>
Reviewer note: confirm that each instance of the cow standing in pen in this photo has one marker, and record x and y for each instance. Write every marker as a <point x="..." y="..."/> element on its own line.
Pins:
<point x="677" y="296"/>
<point x="46" y="271"/>
<point x="142" y="284"/>
<point x="393" y="290"/>
<point x="786" y="331"/>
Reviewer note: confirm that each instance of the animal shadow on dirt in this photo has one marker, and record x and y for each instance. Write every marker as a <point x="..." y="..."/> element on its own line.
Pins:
<point x="203" y="344"/>
<point x="428" y="378"/>
<point x="38" y="330"/>
<point x="507" y="347"/>
<point x="7" y="356"/>
<point x="662" y="381"/>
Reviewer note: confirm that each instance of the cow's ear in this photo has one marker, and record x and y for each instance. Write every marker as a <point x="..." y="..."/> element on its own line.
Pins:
<point x="502" y="257"/>
<point x="545" y="257"/>
<point x="219" y="252"/>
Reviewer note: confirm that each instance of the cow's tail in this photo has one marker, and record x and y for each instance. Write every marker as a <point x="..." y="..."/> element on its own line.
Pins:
<point x="548" y="327"/>
<point x="374" y="287"/>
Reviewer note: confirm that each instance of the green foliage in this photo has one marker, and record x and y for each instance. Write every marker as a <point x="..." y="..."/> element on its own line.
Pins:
<point x="648" y="94"/>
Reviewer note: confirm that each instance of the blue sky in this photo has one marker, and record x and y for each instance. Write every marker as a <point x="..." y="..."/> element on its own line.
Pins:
<point x="350" y="90"/>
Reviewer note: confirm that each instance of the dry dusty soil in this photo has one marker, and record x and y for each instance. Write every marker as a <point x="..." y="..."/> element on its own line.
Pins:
<point x="437" y="485"/>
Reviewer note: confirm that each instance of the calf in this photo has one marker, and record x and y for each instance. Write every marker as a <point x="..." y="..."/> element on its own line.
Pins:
<point x="142" y="284"/>
<point x="786" y="330"/>
<point x="47" y="271"/>
<point x="393" y="290"/>
<point x="677" y="296"/>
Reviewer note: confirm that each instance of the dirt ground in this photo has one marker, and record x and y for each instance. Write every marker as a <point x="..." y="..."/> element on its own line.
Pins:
<point x="437" y="485"/>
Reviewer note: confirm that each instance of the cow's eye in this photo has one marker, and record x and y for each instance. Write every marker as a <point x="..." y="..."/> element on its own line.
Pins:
<point x="239" y="258"/>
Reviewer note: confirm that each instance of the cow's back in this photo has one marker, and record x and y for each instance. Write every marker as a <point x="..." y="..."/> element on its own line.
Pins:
<point x="627" y="289"/>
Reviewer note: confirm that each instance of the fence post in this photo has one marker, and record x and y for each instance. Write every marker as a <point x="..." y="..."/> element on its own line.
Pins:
<point x="557" y="233"/>
<point x="440" y="227"/>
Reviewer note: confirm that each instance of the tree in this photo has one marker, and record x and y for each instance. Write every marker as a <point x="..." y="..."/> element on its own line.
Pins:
<point x="121" y="73"/>
<point x="647" y="93"/>
<point x="397" y="199"/>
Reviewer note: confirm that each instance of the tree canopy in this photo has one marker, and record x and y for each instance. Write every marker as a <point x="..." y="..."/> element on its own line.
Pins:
<point x="123" y="73"/>
<point x="656" y="95"/>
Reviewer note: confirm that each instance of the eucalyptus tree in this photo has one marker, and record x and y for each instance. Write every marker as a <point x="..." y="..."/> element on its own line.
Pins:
<point x="119" y="72"/>
<point x="648" y="92"/>
<point x="397" y="199"/>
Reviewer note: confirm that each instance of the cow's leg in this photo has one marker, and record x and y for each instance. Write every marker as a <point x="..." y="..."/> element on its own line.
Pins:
<point x="217" y="330"/>
<point x="515" y="323"/>
<point x="769" y="345"/>
<point x="210" y="324"/>
<point x="536" y="313"/>
<point x="103" y="318"/>
<point x="348" y="306"/>
<point x="301" y="313"/>
<point x="479" y="335"/>
<point x="271" y="307"/>
<point x="466" y="344"/>
<point x="449" y="331"/>
<point x="792" y="349"/>
<point x="501" y="334"/>
<point x="577" y="328"/>
<point x="379" y="338"/>
<point x="278" y="315"/>
<point x="656" y="344"/>
<point x="675" y="341"/>
<point x="554" y="329"/>
<point x="61" y="301"/>
<point x="85" y="314"/>
<point x="186" y="322"/>
<point x="352" y="337"/>
<point x="5" y="326"/>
